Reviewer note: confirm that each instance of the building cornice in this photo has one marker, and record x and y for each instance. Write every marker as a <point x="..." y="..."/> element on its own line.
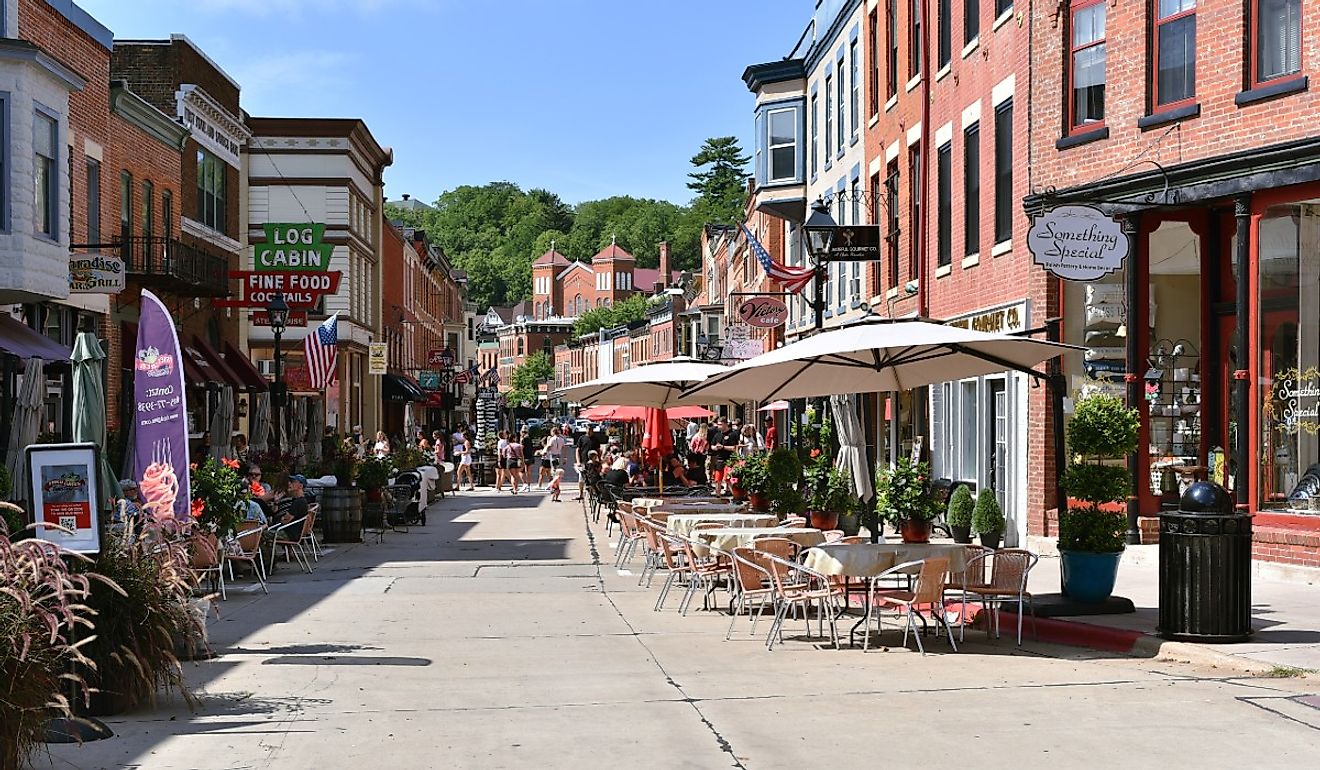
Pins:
<point x="759" y="76"/>
<point x="139" y="112"/>
<point x="23" y="51"/>
<point x="213" y="126"/>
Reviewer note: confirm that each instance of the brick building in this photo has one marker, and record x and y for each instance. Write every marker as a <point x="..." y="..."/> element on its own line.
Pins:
<point x="1192" y="123"/>
<point x="564" y="288"/>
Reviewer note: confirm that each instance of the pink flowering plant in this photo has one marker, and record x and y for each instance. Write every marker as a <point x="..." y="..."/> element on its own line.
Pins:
<point x="903" y="493"/>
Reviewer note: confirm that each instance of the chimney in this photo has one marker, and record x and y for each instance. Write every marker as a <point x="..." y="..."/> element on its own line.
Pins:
<point x="406" y="196"/>
<point x="664" y="263"/>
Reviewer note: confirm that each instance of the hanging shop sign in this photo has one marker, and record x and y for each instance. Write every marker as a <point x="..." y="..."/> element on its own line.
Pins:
<point x="293" y="247"/>
<point x="96" y="274"/>
<point x="763" y="312"/>
<point x="160" y="447"/>
<point x="300" y="289"/>
<point x="440" y="357"/>
<point x="739" y="345"/>
<point x="1077" y="243"/>
<point x="429" y="380"/>
<point x="378" y="358"/>
<point x="64" y="481"/>
<point x="295" y="318"/>
<point x="298" y="379"/>
<point x="855" y="243"/>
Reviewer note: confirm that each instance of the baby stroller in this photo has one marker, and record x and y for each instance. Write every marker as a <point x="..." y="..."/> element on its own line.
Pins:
<point x="406" y="491"/>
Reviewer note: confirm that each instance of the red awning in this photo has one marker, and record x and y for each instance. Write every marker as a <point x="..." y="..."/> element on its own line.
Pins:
<point x="435" y="400"/>
<point x="242" y="366"/>
<point x="217" y="362"/>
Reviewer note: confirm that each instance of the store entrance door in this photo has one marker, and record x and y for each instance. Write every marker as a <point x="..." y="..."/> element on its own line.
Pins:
<point x="1000" y="476"/>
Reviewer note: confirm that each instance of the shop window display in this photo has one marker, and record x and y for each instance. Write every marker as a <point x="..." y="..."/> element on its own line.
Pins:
<point x="1289" y="345"/>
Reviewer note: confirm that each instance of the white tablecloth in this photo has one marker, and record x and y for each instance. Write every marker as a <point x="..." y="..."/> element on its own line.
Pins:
<point x="728" y="539"/>
<point x="682" y="523"/>
<point x="651" y="502"/>
<point x="870" y="559"/>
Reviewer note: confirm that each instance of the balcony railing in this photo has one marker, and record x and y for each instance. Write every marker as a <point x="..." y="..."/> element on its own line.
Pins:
<point x="174" y="266"/>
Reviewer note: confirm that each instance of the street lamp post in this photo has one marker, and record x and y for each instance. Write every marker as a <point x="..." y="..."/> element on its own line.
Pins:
<point x="820" y="227"/>
<point x="279" y="316"/>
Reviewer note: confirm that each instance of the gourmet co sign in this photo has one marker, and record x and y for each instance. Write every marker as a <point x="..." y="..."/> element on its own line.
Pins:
<point x="764" y="312"/>
<point x="1077" y="243"/>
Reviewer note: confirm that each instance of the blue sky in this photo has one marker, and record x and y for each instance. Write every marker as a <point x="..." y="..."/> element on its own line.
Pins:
<point x="587" y="98"/>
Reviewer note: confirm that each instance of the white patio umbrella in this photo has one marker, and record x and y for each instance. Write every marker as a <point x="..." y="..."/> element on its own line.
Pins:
<point x="874" y="357"/>
<point x="658" y="385"/>
<point x="774" y="406"/>
<point x="852" y="443"/>
<point x="29" y="404"/>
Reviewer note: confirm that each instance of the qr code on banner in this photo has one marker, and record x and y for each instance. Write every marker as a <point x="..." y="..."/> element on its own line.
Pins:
<point x="69" y="522"/>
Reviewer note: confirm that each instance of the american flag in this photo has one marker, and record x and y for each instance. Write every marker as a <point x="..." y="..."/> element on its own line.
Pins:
<point x="493" y="376"/>
<point x="793" y="279"/>
<point x="320" y="348"/>
<point x="465" y="376"/>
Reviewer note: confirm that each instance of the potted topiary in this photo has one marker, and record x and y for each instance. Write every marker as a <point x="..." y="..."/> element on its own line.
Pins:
<point x="904" y="499"/>
<point x="785" y="472"/>
<point x="1101" y="434"/>
<point x="959" y="514"/>
<point x="988" y="518"/>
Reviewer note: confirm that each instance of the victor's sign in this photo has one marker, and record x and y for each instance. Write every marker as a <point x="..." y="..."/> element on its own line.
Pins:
<point x="1077" y="243"/>
<point x="293" y="247"/>
<point x="765" y="312"/>
<point x="96" y="274"/>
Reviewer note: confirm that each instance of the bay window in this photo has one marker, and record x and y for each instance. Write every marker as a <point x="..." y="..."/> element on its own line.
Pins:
<point x="782" y="143"/>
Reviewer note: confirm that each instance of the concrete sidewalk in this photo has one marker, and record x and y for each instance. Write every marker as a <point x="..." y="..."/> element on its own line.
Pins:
<point x="502" y="636"/>
<point x="1285" y="617"/>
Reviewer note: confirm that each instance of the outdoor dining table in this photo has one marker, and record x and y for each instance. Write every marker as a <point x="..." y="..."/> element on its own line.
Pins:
<point x="867" y="560"/>
<point x="683" y="523"/>
<point x="651" y="502"/>
<point x="738" y="537"/>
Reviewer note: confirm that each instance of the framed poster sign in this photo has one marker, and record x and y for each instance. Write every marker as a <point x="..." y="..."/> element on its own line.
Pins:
<point x="63" y="479"/>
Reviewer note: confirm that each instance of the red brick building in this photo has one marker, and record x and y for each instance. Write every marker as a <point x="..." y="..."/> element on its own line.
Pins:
<point x="1193" y="124"/>
<point x="564" y="288"/>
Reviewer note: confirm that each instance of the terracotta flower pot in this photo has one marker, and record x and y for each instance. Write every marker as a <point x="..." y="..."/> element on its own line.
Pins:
<point x="738" y="492"/>
<point x="915" y="531"/>
<point x="760" y="503"/>
<point x="823" y="520"/>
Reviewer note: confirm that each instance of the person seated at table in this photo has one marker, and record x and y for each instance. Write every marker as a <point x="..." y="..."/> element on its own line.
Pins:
<point x="617" y="475"/>
<point x="696" y="469"/>
<point x="675" y="474"/>
<point x="128" y="509"/>
<point x="292" y="505"/>
<point x="262" y="494"/>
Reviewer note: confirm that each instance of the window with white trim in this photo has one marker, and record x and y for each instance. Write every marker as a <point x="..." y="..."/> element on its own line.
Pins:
<point x="782" y="142"/>
<point x="45" y="148"/>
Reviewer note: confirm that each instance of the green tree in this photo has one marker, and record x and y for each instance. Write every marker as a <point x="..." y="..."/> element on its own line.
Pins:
<point x="720" y="181"/>
<point x="527" y="375"/>
<point x="620" y="313"/>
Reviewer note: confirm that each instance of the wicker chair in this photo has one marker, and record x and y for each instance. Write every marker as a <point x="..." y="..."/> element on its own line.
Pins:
<point x="751" y="581"/>
<point x="926" y="596"/>
<point x="797" y="586"/>
<point x="1010" y="569"/>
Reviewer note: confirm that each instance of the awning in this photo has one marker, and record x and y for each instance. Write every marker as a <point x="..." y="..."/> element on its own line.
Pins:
<point x="19" y="340"/>
<point x="197" y="369"/>
<point x="435" y="400"/>
<point x="242" y="366"/>
<point x="397" y="388"/>
<point x="217" y="362"/>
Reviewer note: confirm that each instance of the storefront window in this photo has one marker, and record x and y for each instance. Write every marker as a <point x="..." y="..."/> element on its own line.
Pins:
<point x="1289" y="345"/>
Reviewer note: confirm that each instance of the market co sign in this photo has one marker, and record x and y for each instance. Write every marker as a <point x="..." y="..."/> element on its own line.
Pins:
<point x="764" y="312"/>
<point x="293" y="247"/>
<point x="1077" y="243"/>
<point x="96" y="274"/>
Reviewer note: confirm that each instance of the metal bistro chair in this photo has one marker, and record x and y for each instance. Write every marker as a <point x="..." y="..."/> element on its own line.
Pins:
<point x="798" y="586"/>
<point x="751" y="581"/>
<point x="708" y="568"/>
<point x="928" y="594"/>
<point x="208" y="561"/>
<point x="398" y="497"/>
<point x="246" y="547"/>
<point x="290" y="537"/>
<point x="1010" y="568"/>
<point x="630" y="534"/>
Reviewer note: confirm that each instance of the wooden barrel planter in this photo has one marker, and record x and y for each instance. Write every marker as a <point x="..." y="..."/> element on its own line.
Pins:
<point x="341" y="514"/>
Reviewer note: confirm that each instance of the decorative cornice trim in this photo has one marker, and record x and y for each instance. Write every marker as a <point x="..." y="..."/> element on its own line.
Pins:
<point x="22" y="50"/>
<point x="139" y="112"/>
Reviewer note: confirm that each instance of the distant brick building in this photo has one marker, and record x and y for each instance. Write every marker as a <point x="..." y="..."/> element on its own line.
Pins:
<point x="563" y="288"/>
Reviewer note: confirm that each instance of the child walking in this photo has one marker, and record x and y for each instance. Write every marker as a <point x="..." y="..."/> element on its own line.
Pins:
<point x="555" y="484"/>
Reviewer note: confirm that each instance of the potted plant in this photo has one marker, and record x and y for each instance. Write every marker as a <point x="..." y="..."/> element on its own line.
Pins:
<point x="959" y="514"/>
<point x="409" y="458"/>
<point x="752" y="474"/>
<point x="988" y="518"/>
<point x="144" y="617"/>
<point x="42" y="606"/>
<point x="219" y="495"/>
<point x="785" y="477"/>
<point x="373" y="474"/>
<point x="275" y="467"/>
<point x="1101" y="434"/>
<point x="904" y="500"/>
<point x="830" y="495"/>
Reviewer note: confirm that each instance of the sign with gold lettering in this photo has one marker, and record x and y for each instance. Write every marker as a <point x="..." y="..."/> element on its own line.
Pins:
<point x="1009" y="319"/>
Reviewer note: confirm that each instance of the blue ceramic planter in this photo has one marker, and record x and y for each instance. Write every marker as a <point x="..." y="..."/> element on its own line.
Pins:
<point x="1089" y="577"/>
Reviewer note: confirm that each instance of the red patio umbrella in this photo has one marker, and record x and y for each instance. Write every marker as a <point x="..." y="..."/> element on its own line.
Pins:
<point x="639" y="413"/>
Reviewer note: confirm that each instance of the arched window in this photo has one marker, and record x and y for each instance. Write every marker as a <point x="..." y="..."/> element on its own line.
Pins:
<point x="579" y="306"/>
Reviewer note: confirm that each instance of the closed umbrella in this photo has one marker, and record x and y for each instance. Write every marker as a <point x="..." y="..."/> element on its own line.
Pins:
<point x="874" y="357"/>
<point x="260" y="422"/>
<point x="659" y="385"/>
<point x="657" y="442"/>
<point x="222" y="422"/>
<point x="89" y="408"/>
<point x="315" y="429"/>
<point x="409" y="424"/>
<point x="298" y="430"/>
<point x="28" y="406"/>
<point x="852" y="444"/>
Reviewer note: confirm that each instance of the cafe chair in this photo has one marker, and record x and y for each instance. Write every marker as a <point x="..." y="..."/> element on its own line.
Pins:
<point x="751" y="583"/>
<point x="926" y="596"/>
<point x="1009" y="571"/>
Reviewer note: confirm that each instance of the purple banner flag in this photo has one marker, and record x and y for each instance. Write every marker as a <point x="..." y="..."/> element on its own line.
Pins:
<point x="161" y="447"/>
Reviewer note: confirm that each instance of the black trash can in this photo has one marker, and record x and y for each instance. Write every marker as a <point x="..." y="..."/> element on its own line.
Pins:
<point x="1205" y="568"/>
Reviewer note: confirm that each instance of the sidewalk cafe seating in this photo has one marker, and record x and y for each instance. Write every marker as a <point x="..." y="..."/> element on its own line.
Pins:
<point x="672" y="553"/>
<point x="709" y="566"/>
<point x="245" y="546"/>
<point x="1010" y="568"/>
<point x="797" y="586"/>
<point x="751" y="583"/>
<point x="927" y="596"/>
<point x="291" y="536"/>
<point x="208" y="561"/>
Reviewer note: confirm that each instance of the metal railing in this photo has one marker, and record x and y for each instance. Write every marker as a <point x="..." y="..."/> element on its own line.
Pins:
<point x="179" y="267"/>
